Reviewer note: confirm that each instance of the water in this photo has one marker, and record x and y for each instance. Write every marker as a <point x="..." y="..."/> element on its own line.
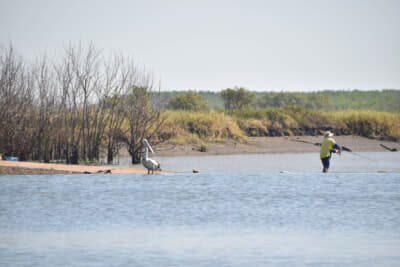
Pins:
<point x="302" y="162"/>
<point x="215" y="218"/>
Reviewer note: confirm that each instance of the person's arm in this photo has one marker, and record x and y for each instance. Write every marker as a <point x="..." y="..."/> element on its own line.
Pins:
<point x="337" y="149"/>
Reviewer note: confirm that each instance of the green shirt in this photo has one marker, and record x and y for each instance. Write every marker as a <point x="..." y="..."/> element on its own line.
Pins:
<point x="326" y="147"/>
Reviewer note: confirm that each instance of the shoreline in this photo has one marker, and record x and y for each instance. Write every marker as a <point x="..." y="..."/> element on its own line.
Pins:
<point x="254" y="145"/>
<point x="26" y="168"/>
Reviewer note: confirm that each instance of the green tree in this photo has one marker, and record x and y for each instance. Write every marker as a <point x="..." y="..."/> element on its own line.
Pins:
<point x="237" y="98"/>
<point x="188" y="101"/>
<point x="306" y="100"/>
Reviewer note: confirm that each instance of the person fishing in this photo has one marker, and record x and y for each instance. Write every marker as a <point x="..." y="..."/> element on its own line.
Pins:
<point x="328" y="147"/>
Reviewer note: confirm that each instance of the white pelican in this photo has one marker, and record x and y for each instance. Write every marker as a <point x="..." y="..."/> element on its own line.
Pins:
<point x="150" y="164"/>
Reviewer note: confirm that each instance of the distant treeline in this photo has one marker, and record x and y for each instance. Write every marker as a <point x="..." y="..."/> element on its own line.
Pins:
<point x="386" y="100"/>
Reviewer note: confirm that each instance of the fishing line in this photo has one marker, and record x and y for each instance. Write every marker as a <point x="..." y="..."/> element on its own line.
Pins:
<point x="361" y="156"/>
<point x="343" y="148"/>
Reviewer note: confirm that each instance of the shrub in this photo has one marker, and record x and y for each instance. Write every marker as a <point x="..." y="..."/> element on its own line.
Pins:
<point x="187" y="101"/>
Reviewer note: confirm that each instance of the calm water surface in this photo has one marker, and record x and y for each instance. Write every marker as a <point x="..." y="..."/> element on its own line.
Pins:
<point x="252" y="217"/>
<point x="307" y="162"/>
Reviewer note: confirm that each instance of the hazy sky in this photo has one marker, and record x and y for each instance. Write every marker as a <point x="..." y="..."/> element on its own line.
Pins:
<point x="212" y="45"/>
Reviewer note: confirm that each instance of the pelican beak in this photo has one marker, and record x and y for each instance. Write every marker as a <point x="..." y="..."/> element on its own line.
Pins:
<point x="149" y="146"/>
<point x="146" y="143"/>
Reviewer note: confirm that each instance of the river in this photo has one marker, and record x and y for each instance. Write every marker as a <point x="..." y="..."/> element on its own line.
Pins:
<point x="235" y="212"/>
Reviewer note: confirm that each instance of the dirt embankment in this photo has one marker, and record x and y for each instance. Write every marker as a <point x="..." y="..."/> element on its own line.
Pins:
<point x="265" y="145"/>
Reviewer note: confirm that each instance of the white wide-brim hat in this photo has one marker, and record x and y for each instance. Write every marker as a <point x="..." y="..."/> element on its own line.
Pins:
<point x="328" y="134"/>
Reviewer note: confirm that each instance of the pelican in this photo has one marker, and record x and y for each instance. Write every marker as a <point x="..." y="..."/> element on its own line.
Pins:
<point x="150" y="164"/>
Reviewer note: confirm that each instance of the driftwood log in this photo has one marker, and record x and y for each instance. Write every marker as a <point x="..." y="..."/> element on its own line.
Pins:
<point x="388" y="148"/>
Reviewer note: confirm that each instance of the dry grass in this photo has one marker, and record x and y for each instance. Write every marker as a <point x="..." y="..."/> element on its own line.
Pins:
<point x="212" y="126"/>
<point x="368" y="123"/>
<point x="191" y="127"/>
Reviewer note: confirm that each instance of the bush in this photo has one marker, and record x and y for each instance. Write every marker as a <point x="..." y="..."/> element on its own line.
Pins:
<point x="187" y="101"/>
<point x="237" y="98"/>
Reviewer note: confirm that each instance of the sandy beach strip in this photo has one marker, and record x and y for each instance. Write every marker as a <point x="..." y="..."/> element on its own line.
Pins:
<point x="20" y="167"/>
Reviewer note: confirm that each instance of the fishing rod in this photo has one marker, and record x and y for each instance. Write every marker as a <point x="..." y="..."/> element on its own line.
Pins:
<point x="344" y="148"/>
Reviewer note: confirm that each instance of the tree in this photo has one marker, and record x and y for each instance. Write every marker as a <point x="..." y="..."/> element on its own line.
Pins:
<point x="16" y="105"/>
<point x="308" y="100"/>
<point x="79" y="81"/>
<point x="142" y="115"/>
<point x="237" y="98"/>
<point x="143" y="121"/>
<point x="116" y="75"/>
<point x="229" y="97"/>
<point x="69" y="110"/>
<point x="45" y="127"/>
<point x="187" y="101"/>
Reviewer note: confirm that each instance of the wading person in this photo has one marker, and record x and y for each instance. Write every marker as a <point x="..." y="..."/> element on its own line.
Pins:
<point x="328" y="147"/>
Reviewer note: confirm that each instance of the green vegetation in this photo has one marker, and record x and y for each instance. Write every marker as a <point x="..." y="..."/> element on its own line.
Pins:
<point x="188" y="101"/>
<point x="385" y="100"/>
<point x="305" y="100"/>
<point x="237" y="98"/>
<point x="388" y="100"/>
<point x="213" y="99"/>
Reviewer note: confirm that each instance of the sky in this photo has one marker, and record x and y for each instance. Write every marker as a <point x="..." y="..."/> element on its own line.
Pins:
<point x="261" y="45"/>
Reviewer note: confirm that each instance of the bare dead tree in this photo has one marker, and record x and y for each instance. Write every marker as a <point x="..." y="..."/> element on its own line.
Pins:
<point x="143" y="119"/>
<point x="70" y="109"/>
<point x="11" y="68"/>
<point x="116" y="74"/>
<point x="45" y="92"/>
<point x="86" y="68"/>
<point x="15" y="102"/>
